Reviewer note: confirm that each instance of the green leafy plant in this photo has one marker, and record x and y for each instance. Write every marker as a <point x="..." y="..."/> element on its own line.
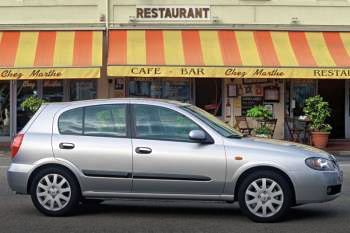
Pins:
<point x="259" y="112"/>
<point x="262" y="114"/>
<point x="32" y="104"/>
<point x="317" y="111"/>
<point x="263" y="130"/>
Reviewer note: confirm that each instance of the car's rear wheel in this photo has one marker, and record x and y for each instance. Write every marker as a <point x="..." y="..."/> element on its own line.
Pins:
<point x="265" y="196"/>
<point x="55" y="192"/>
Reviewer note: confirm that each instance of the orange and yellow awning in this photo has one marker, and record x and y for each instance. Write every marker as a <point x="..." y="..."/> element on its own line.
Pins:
<point x="228" y="54"/>
<point x="50" y="54"/>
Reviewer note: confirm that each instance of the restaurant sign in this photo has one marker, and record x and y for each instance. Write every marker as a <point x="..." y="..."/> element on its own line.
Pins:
<point x="48" y="73"/>
<point x="169" y="13"/>
<point x="228" y="72"/>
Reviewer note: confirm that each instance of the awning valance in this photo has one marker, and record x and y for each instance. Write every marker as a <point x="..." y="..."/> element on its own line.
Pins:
<point x="228" y="54"/>
<point x="50" y="54"/>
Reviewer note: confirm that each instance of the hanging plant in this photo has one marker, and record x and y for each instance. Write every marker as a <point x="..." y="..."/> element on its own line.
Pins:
<point x="32" y="104"/>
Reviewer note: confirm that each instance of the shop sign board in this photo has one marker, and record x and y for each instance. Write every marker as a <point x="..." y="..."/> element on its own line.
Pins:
<point x="229" y="72"/>
<point x="172" y="13"/>
<point x="48" y="73"/>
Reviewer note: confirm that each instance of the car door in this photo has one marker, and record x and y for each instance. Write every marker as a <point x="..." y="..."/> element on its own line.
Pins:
<point x="96" y="140"/>
<point x="165" y="160"/>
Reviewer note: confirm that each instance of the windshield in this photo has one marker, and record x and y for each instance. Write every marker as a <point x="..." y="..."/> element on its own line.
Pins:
<point x="213" y="122"/>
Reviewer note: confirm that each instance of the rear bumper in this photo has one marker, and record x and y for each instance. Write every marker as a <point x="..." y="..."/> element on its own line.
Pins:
<point x="317" y="186"/>
<point x="17" y="177"/>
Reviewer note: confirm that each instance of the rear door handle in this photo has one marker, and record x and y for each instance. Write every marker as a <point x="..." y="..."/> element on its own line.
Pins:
<point x="66" y="145"/>
<point x="143" y="150"/>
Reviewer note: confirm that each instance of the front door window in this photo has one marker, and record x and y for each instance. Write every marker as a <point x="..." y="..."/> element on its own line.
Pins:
<point x="153" y="122"/>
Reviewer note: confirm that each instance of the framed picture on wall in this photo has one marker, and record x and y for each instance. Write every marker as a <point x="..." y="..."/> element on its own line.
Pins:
<point x="232" y="90"/>
<point x="272" y="94"/>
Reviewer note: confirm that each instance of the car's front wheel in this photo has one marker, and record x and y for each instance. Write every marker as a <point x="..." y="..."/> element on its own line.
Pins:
<point x="265" y="196"/>
<point x="55" y="192"/>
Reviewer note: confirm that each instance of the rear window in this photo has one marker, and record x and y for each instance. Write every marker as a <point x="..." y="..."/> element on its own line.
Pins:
<point x="98" y="120"/>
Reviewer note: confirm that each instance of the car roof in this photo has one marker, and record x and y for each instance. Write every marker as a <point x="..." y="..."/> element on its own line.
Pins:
<point x="122" y="100"/>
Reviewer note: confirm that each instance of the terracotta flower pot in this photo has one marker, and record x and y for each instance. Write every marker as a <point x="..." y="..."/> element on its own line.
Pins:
<point x="319" y="139"/>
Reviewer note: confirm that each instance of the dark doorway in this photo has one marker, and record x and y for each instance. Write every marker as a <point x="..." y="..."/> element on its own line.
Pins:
<point x="333" y="91"/>
<point x="209" y="95"/>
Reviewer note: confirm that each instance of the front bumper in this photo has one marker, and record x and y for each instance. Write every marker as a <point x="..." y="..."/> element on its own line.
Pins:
<point x="17" y="177"/>
<point x="313" y="186"/>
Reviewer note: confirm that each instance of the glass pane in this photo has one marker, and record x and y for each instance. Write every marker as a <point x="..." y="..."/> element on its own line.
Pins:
<point x="167" y="89"/>
<point x="105" y="120"/>
<point x="176" y="90"/>
<point x="302" y="91"/>
<point x="154" y="122"/>
<point x="4" y="108"/>
<point x="71" y="122"/>
<point x="24" y="90"/>
<point x="82" y="89"/>
<point x="53" y="90"/>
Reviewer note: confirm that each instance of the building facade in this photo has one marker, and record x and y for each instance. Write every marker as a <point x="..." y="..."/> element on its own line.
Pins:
<point x="224" y="56"/>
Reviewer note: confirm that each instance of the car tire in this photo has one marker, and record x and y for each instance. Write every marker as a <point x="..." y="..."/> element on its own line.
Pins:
<point x="265" y="196"/>
<point x="55" y="191"/>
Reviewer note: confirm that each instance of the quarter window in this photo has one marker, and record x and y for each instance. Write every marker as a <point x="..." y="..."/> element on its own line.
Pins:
<point x="71" y="122"/>
<point x="153" y="122"/>
<point x="99" y="120"/>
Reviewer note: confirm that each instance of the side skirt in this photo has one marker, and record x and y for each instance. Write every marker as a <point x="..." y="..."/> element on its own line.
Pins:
<point x="107" y="195"/>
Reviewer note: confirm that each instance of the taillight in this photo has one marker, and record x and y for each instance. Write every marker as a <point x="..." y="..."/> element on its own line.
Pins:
<point x="16" y="144"/>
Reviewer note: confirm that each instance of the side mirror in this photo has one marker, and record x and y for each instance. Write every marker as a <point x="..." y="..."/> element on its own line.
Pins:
<point x="199" y="136"/>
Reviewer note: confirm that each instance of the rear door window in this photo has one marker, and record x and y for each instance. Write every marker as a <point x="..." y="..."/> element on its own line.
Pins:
<point x="97" y="120"/>
<point x="105" y="120"/>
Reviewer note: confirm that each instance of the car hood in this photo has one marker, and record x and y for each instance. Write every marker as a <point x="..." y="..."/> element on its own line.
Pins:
<point x="286" y="147"/>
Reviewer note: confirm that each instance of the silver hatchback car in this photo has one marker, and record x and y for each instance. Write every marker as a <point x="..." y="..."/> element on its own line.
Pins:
<point x="76" y="152"/>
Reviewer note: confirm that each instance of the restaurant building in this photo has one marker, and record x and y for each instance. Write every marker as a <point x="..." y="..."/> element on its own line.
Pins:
<point x="202" y="54"/>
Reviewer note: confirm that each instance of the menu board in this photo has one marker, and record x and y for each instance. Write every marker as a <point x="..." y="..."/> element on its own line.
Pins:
<point x="250" y="101"/>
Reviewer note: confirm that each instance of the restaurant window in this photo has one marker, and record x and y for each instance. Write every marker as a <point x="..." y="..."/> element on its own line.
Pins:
<point x="82" y="90"/>
<point x="5" y="108"/>
<point x="160" y="88"/>
<point x="53" y="90"/>
<point x="25" y="88"/>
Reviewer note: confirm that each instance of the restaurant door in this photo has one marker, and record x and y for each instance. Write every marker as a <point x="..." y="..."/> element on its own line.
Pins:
<point x="209" y="95"/>
<point x="333" y="91"/>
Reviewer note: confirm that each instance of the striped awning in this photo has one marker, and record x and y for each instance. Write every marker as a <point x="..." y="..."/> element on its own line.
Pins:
<point x="229" y="54"/>
<point x="50" y="54"/>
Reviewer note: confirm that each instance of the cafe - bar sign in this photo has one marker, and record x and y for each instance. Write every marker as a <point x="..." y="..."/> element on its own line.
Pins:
<point x="169" y="13"/>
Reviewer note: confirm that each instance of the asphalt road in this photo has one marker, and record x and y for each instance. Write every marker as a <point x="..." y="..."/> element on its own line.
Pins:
<point x="17" y="214"/>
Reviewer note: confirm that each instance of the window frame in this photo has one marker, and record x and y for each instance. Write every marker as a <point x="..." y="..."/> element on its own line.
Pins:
<point x="133" y="125"/>
<point x="127" y="121"/>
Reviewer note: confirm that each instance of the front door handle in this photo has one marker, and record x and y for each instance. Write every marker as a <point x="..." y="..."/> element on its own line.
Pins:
<point x="66" y="145"/>
<point x="143" y="150"/>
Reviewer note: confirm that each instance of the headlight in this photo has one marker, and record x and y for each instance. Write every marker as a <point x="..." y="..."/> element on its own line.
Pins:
<point x="320" y="164"/>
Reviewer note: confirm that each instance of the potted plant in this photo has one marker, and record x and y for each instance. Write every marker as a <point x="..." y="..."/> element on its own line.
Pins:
<point x="261" y="114"/>
<point x="32" y="104"/>
<point x="317" y="111"/>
